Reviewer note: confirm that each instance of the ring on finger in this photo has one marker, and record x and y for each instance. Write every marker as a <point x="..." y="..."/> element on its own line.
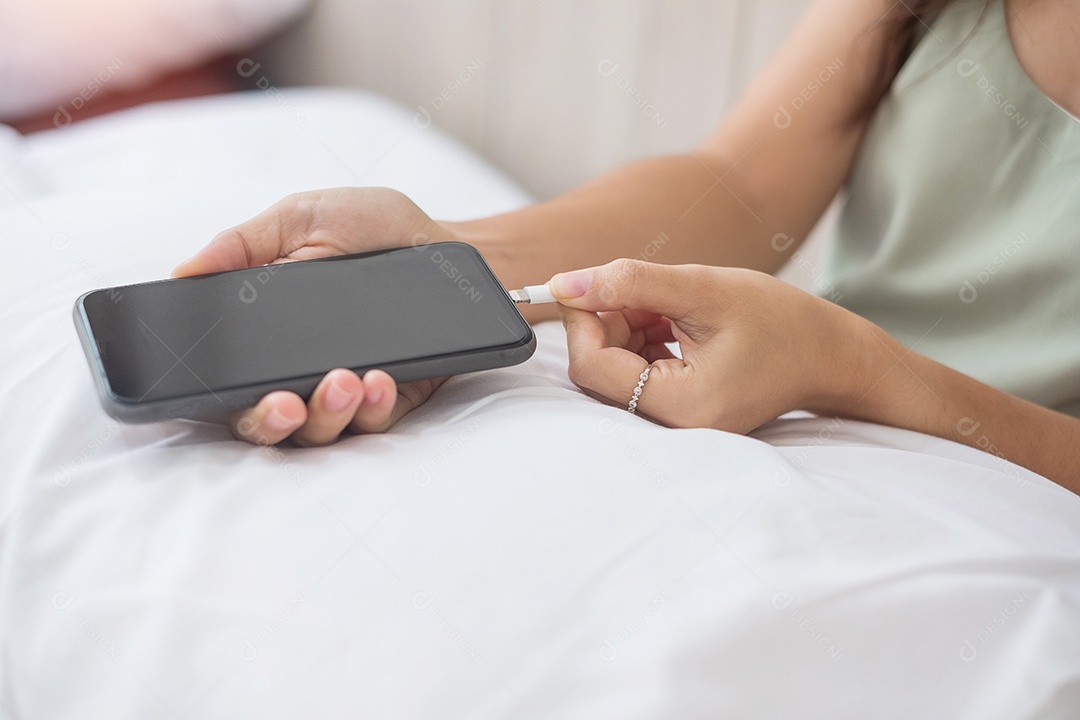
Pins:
<point x="642" y="379"/>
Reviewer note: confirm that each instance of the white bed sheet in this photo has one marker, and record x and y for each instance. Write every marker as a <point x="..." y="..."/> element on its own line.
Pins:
<point x="513" y="549"/>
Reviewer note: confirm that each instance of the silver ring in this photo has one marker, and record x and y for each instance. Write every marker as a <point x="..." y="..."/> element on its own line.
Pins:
<point x="632" y="407"/>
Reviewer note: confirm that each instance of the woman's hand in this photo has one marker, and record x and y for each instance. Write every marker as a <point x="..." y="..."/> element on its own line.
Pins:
<point x="753" y="347"/>
<point x="314" y="225"/>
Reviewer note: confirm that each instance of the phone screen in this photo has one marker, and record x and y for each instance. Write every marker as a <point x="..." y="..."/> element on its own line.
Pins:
<point x="177" y="338"/>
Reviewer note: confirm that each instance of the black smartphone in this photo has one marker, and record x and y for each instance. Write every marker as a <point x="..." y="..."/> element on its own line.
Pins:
<point x="193" y="347"/>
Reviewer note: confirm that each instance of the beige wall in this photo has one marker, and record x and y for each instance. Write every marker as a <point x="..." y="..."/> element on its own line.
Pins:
<point x="540" y="86"/>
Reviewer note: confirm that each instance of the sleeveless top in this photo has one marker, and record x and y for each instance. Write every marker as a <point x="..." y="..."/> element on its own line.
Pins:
<point x="960" y="232"/>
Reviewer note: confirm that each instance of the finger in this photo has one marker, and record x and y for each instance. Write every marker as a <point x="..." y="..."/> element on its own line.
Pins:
<point x="386" y="402"/>
<point x="634" y="328"/>
<point x="611" y="329"/>
<point x="635" y="332"/>
<point x="593" y="360"/>
<point x="272" y="420"/>
<point x="330" y="408"/>
<point x="623" y="329"/>
<point x="259" y="241"/>
<point x="375" y="414"/>
<point x="652" y="353"/>
<point x="674" y="292"/>
<point x="612" y="373"/>
<point x="659" y="332"/>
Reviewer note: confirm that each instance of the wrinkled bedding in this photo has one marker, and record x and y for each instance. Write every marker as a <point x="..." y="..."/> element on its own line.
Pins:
<point x="513" y="549"/>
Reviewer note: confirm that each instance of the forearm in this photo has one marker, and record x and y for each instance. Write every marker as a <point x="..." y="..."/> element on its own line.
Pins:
<point x="674" y="209"/>
<point x="901" y="388"/>
<point x="755" y="178"/>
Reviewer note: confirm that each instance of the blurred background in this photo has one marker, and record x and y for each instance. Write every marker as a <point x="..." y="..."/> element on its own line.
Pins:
<point x="552" y="91"/>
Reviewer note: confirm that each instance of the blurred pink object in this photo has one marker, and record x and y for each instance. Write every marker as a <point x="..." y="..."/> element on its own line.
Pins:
<point x="56" y="56"/>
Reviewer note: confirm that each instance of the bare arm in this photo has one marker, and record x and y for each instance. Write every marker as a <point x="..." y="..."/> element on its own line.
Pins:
<point x="758" y="175"/>
<point x="901" y="388"/>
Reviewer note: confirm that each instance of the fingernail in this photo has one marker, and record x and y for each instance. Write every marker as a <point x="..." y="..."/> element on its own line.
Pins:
<point x="337" y="398"/>
<point x="373" y="396"/>
<point x="570" y="285"/>
<point x="278" y="422"/>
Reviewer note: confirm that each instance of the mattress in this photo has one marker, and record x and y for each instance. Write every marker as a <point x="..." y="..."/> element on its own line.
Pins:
<point x="512" y="549"/>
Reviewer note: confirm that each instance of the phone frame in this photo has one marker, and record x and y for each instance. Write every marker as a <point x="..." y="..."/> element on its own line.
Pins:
<point x="216" y="401"/>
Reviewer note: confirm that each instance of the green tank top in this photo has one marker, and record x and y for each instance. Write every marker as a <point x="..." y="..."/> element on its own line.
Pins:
<point x="960" y="233"/>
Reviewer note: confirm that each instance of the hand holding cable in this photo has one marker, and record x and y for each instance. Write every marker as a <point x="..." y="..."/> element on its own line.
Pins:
<point x="753" y="347"/>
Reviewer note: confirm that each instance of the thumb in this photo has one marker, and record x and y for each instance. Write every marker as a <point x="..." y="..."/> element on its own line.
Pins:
<point x="229" y="250"/>
<point x="672" y="291"/>
<point x="259" y="241"/>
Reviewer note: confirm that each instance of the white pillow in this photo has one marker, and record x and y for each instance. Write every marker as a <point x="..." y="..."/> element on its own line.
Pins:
<point x="57" y="54"/>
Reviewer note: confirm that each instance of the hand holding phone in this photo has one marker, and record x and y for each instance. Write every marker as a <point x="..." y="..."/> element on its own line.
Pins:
<point x="197" y="346"/>
<point x="324" y="223"/>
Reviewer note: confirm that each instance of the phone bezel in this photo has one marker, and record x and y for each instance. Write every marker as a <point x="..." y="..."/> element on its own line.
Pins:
<point x="198" y="405"/>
